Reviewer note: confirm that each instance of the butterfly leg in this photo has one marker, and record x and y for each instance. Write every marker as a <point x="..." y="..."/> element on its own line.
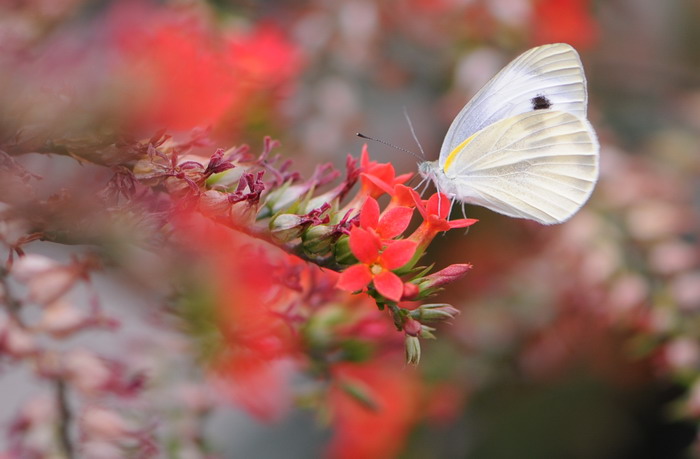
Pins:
<point x="452" y="204"/>
<point x="464" y="214"/>
<point x="427" y="184"/>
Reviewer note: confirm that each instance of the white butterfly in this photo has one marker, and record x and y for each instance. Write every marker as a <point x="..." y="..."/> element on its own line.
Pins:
<point x="523" y="146"/>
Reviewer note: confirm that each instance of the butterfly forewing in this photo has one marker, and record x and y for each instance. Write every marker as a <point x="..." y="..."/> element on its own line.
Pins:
<point x="540" y="165"/>
<point x="546" y="77"/>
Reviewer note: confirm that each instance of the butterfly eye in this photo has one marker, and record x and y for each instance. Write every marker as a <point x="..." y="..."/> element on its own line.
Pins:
<point x="540" y="103"/>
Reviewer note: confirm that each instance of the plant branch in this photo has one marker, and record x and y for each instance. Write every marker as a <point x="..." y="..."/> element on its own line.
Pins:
<point x="64" y="420"/>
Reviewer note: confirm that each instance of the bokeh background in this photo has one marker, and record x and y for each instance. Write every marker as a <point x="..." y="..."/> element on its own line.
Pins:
<point x="579" y="340"/>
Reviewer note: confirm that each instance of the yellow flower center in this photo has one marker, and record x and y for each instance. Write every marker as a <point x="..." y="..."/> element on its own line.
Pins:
<point x="375" y="269"/>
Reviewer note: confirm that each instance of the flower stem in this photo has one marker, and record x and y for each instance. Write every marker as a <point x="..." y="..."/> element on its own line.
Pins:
<point x="64" y="419"/>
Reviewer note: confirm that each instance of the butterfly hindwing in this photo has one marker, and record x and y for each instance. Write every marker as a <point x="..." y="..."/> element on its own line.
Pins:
<point x="545" y="77"/>
<point x="541" y="165"/>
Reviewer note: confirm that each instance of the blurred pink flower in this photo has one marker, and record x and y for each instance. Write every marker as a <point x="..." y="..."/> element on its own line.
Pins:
<point x="682" y="354"/>
<point x="46" y="279"/>
<point x="685" y="289"/>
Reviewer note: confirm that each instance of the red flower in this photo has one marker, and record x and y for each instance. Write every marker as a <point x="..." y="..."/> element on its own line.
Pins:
<point x="376" y="265"/>
<point x="402" y="196"/>
<point x="185" y="73"/>
<point x="260" y="386"/>
<point x="180" y="75"/>
<point x="256" y="350"/>
<point x="378" y="178"/>
<point x="567" y="21"/>
<point x="388" y="226"/>
<point x="435" y="214"/>
<point x="378" y="427"/>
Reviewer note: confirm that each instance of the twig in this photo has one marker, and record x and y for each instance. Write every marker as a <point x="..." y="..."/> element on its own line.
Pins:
<point x="64" y="420"/>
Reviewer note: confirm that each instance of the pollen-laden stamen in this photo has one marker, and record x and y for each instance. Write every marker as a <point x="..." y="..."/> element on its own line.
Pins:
<point x="376" y="269"/>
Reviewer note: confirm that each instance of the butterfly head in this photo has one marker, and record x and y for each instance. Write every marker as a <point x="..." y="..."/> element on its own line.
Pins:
<point x="431" y="170"/>
<point x="428" y="169"/>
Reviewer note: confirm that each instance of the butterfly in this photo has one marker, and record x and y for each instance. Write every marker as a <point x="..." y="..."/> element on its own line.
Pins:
<point x="523" y="146"/>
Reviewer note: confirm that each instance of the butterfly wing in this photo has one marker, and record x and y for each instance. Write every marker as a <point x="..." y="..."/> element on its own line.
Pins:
<point x="545" y="77"/>
<point x="541" y="165"/>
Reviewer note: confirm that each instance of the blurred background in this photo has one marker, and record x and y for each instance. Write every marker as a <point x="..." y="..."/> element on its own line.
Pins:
<point x="579" y="340"/>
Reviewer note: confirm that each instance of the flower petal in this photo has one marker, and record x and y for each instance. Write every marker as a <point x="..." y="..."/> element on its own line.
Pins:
<point x="410" y="291"/>
<point x="403" y="178"/>
<point x="398" y="254"/>
<point x="389" y="285"/>
<point x="364" y="157"/>
<point x="355" y="278"/>
<point x="420" y="205"/>
<point x="369" y="215"/>
<point x="462" y="222"/>
<point x="394" y="222"/>
<point x="376" y="184"/>
<point x="364" y="244"/>
<point x="404" y="196"/>
<point x="438" y="224"/>
<point x="378" y="179"/>
<point x="439" y="205"/>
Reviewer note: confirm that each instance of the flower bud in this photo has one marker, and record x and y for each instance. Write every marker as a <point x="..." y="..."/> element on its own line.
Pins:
<point x="87" y="372"/>
<point x="410" y="291"/>
<point x="286" y="227"/>
<point x="61" y="318"/>
<point x="102" y="423"/>
<point x="29" y="266"/>
<point x="342" y="253"/>
<point x="412" y="350"/>
<point x="432" y="282"/>
<point x="46" y="279"/>
<point x="434" y="312"/>
<point x="317" y="240"/>
<point x="14" y="340"/>
<point x="427" y="332"/>
<point x="148" y="172"/>
<point x="214" y="202"/>
<point x="283" y="197"/>
<point x="412" y="327"/>
<point x="178" y="186"/>
<point x="243" y="213"/>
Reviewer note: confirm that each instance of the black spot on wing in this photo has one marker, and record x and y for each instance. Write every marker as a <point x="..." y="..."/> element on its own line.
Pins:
<point x="540" y="103"/>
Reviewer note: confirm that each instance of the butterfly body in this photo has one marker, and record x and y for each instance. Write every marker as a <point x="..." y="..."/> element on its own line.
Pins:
<point x="522" y="146"/>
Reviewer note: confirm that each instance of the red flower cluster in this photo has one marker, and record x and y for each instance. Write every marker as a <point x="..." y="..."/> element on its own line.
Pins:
<point x="373" y="242"/>
<point x="379" y="255"/>
<point x="188" y="75"/>
<point x="252" y="359"/>
<point x="271" y="310"/>
<point x="378" y="177"/>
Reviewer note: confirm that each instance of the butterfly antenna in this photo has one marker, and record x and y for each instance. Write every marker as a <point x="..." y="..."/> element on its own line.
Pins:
<point x="362" y="136"/>
<point x="413" y="133"/>
<point x="464" y="214"/>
